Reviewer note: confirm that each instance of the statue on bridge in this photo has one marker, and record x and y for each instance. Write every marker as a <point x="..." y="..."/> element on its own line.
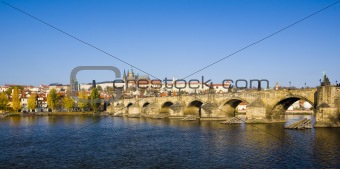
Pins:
<point x="325" y="81"/>
<point x="277" y="86"/>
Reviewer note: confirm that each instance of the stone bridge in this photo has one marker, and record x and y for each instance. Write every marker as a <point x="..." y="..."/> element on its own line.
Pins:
<point x="263" y="106"/>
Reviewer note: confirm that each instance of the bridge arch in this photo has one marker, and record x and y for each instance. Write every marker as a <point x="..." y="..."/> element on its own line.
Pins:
<point x="228" y="107"/>
<point x="165" y="108"/>
<point x="167" y="104"/>
<point x="145" y="104"/>
<point x="194" y="108"/>
<point x="129" y="104"/>
<point x="144" y="107"/>
<point x="281" y="106"/>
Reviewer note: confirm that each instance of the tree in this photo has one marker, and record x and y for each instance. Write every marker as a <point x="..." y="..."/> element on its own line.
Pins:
<point x="9" y="90"/>
<point x="99" y="88"/>
<point x="52" y="99"/>
<point x="108" y="89"/>
<point x="15" y="99"/>
<point x="3" y="101"/>
<point x="94" y="99"/>
<point x="32" y="102"/>
<point x="68" y="103"/>
<point x="82" y="100"/>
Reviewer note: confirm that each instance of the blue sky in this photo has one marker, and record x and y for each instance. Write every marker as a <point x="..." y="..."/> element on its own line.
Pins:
<point x="170" y="39"/>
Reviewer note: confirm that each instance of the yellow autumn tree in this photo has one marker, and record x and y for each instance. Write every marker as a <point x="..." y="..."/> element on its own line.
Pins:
<point x="52" y="99"/>
<point x="82" y="100"/>
<point x="15" y="99"/>
<point x="3" y="101"/>
<point x="32" y="102"/>
<point x="68" y="103"/>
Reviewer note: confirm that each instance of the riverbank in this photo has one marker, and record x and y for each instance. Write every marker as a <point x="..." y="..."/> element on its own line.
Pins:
<point x="46" y="114"/>
<point x="70" y="113"/>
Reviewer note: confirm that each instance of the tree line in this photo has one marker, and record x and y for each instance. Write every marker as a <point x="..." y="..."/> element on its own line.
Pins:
<point x="54" y="100"/>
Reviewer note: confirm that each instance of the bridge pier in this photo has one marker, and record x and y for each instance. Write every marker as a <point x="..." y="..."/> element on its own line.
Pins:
<point x="133" y="110"/>
<point x="327" y="117"/>
<point x="210" y="110"/>
<point x="150" y="110"/>
<point x="256" y="112"/>
<point x="176" y="110"/>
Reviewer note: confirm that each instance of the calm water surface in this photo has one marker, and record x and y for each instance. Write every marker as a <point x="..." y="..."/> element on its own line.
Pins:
<point x="63" y="142"/>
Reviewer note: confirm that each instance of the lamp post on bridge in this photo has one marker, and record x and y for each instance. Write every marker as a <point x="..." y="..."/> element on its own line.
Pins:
<point x="336" y="82"/>
<point x="290" y="84"/>
<point x="305" y="85"/>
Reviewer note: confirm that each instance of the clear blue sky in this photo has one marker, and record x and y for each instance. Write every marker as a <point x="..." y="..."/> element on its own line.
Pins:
<point x="170" y="39"/>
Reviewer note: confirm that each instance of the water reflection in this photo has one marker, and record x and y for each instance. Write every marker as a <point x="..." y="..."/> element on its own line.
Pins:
<point x="327" y="143"/>
<point x="166" y="143"/>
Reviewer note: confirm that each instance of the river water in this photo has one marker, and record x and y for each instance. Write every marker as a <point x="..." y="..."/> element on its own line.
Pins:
<point x="115" y="142"/>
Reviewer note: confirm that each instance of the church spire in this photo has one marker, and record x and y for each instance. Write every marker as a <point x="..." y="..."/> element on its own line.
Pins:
<point x="130" y="74"/>
<point x="124" y="75"/>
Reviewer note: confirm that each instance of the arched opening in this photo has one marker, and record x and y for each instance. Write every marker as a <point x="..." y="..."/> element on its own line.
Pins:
<point x="146" y="104"/>
<point x="127" y="108"/>
<point x="294" y="104"/>
<point x="130" y="104"/>
<point x="230" y="107"/>
<point x="165" y="109"/>
<point x="194" y="108"/>
<point x="167" y="104"/>
<point x="144" y="107"/>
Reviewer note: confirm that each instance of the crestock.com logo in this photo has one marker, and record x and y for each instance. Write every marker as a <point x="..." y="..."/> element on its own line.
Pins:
<point x="193" y="84"/>
<point x="179" y="84"/>
<point x="74" y="86"/>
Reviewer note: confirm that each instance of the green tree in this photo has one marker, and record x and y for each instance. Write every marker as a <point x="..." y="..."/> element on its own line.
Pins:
<point x="52" y="99"/>
<point x="15" y="99"/>
<point x="82" y="100"/>
<point x="108" y="88"/>
<point x="32" y="102"/>
<point x="94" y="99"/>
<point x="99" y="88"/>
<point x="68" y="103"/>
<point x="3" y="101"/>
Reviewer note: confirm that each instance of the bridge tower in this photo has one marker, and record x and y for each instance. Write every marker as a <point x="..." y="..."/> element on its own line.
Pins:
<point x="327" y="104"/>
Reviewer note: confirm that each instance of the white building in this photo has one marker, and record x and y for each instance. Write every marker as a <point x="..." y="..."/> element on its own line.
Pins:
<point x="294" y="106"/>
<point x="300" y="105"/>
<point x="242" y="106"/>
<point x="103" y="85"/>
<point x="58" y="87"/>
<point x="24" y="103"/>
<point x="34" y="89"/>
<point x="3" y="88"/>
